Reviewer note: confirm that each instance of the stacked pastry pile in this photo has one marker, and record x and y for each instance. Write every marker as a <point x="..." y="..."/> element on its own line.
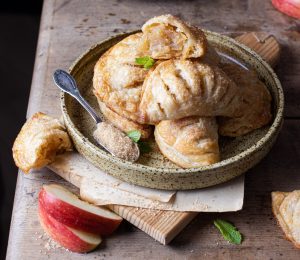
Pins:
<point x="183" y="89"/>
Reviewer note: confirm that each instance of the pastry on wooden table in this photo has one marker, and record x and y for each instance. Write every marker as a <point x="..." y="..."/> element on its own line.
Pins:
<point x="286" y="208"/>
<point x="255" y="106"/>
<point x="189" y="142"/>
<point x="179" y="88"/>
<point x="166" y="37"/>
<point x="39" y="141"/>
<point x="123" y="123"/>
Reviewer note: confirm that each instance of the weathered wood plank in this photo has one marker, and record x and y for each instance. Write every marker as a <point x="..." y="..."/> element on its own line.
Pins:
<point x="71" y="27"/>
<point x="264" y="44"/>
<point x="163" y="226"/>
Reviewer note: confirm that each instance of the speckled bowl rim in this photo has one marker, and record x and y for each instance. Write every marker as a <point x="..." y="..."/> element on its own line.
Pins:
<point x="273" y="129"/>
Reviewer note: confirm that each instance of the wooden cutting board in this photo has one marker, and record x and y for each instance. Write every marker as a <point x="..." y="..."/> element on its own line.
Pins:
<point x="163" y="226"/>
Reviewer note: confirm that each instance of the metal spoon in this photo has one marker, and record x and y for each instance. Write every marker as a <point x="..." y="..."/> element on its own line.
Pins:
<point x="111" y="138"/>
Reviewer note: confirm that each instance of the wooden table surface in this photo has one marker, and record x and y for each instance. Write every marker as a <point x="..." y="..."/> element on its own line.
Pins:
<point x="70" y="27"/>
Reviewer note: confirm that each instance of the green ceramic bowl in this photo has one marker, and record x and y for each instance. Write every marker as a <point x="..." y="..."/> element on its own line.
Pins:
<point x="153" y="170"/>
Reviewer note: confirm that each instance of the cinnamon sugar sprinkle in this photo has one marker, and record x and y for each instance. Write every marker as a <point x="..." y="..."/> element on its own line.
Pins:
<point x="116" y="142"/>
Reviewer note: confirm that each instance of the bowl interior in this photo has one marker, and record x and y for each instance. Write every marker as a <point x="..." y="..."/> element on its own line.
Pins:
<point x="82" y="70"/>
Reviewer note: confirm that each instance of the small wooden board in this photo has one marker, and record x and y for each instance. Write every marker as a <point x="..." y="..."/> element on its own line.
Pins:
<point x="264" y="44"/>
<point x="163" y="226"/>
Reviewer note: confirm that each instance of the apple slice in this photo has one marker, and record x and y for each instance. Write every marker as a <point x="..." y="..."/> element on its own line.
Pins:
<point x="72" y="239"/>
<point x="289" y="7"/>
<point x="68" y="209"/>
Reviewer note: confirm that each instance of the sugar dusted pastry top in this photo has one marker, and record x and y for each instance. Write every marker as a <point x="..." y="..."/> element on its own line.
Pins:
<point x="286" y="208"/>
<point x="118" y="79"/>
<point x="167" y="36"/>
<point x="180" y="88"/>
<point x="189" y="142"/>
<point x="125" y="87"/>
<point x="40" y="139"/>
<point x="255" y="106"/>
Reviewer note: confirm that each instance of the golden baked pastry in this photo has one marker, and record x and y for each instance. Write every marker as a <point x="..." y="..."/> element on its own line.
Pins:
<point x="286" y="208"/>
<point x="179" y="88"/>
<point x="118" y="79"/>
<point x="39" y="141"/>
<point x="166" y="37"/>
<point x="189" y="142"/>
<point x="123" y="123"/>
<point x="255" y="106"/>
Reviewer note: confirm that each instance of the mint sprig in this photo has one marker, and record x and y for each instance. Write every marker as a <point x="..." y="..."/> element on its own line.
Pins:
<point x="145" y="61"/>
<point x="229" y="232"/>
<point x="135" y="136"/>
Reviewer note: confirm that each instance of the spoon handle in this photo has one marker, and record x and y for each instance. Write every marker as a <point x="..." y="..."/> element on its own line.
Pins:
<point x="68" y="84"/>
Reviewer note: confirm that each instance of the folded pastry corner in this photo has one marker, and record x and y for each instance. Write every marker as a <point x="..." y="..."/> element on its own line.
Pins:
<point x="286" y="209"/>
<point x="255" y="106"/>
<point x="39" y="141"/>
<point x="189" y="142"/>
<point x="123" y="123"/>
<point x="167" y="36"/>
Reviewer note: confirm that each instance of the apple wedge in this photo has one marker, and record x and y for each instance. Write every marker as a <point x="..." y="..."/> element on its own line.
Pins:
<point x="68" y="209"/>
<point x="70" y="238"/>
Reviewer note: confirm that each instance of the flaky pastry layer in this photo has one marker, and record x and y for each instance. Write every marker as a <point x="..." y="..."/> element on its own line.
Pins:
<point x="39" y="141"/>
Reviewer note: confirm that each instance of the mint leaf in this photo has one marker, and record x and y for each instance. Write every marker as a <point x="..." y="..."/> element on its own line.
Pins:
<point x="144" y="147"/>
<point x="134" y="135"/>
<point x="146" y="61"/>
<point x="229" y="232"/>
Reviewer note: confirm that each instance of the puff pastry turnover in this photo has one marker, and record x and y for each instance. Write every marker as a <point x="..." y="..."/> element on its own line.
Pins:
<point x="255" y="106"/>
<point x="181" y="88"/>
<point x="286" y="208"/>
<point x="189" y="142"/>
<point x="166" y="37"/>
<point x="40" y="139"/>
<point x="123" y="123"/>
<point x="118" y="80"/>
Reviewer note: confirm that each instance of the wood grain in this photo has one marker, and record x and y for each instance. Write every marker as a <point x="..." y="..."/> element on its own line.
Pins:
<point x="163" y="226"/>
<point x="70" y="27"/>
<point x="264" y="44"/>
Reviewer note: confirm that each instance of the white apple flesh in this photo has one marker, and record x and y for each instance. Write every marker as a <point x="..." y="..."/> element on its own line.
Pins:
<point x="68" y="209"/>
<point x="70" y="238"/>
